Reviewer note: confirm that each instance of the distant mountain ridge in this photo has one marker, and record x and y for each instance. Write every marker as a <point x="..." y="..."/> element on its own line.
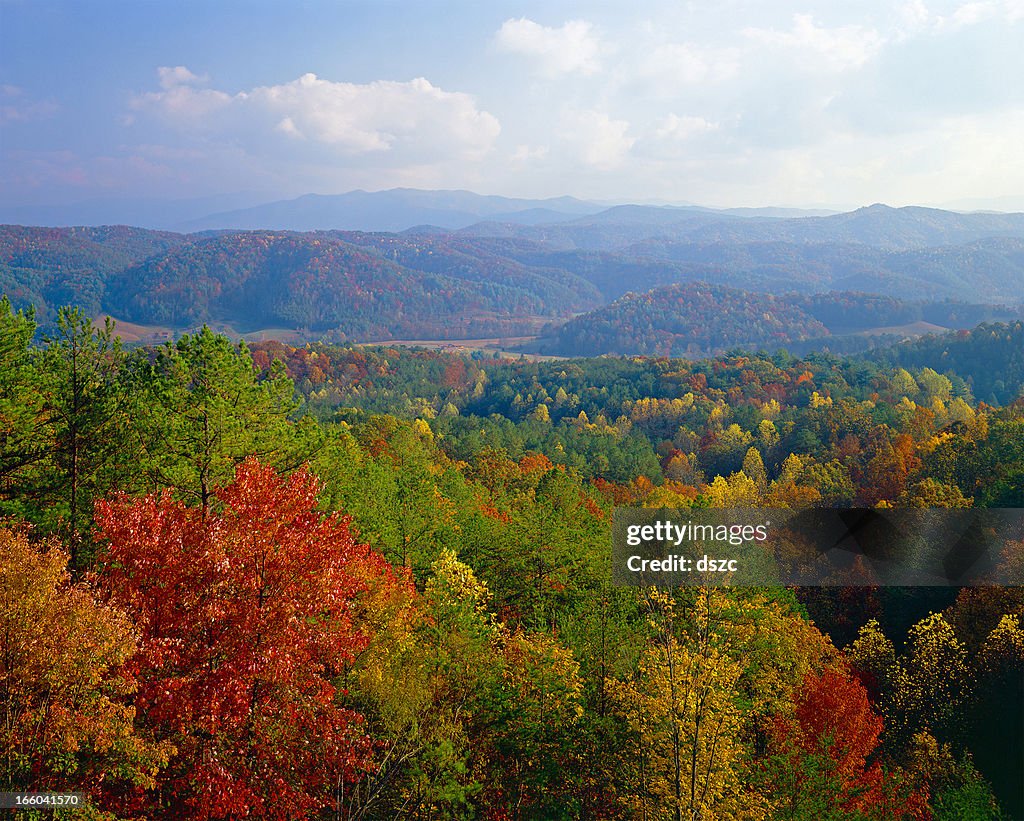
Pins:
<point x="558" y="222"/>
<point x="503" y="279"/>
<point x="877" y="226"/>
<point x="396" y="209"/>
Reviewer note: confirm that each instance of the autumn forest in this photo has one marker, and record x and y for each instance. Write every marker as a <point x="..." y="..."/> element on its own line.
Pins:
<point x="312" y="581"/>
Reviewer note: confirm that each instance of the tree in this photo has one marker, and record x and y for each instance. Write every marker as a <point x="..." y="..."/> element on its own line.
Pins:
<point x="83" y="400"/>
<point x="202" y="411"/>
<point x="65" y="723"/>
<point x="753" y="468"/>
<point x="468" y="715"/>
<point x="929" y="686"/>
<point x="707" y="677"/>
<point x="22" y="440"/>
<point x="687" y="723"/>
<point x="818" y="766"/>
<point x="247" y="616"/>
<point x="998" y="706"/>
<point x="419" y="682"/>
<point x="959" y="793"/>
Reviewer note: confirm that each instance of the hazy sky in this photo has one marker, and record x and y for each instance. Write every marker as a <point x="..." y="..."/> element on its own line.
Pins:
<point x="725" y="103"/>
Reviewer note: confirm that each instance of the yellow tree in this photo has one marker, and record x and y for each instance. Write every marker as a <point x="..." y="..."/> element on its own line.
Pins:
<point x="709" y="675"/>
<point x="64" y="720"/>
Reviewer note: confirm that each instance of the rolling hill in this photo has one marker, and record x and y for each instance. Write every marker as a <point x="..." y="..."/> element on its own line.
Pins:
<point x="430" y="283"/>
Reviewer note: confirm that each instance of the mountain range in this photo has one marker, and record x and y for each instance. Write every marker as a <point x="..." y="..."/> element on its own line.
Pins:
<point x="500" y="276"/>
<point x="396" y="209"/>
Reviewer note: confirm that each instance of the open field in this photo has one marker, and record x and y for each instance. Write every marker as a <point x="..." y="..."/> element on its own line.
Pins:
<point x="134" y="333"/>
<point x="914" y="329"/>
<point x="506" y="347"/>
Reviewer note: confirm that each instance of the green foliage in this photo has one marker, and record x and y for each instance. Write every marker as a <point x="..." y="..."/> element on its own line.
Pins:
<point x="990" y="358"/>
<point x="84" y="406"/>
<point x="201" y="411"/>
<point x="684" y="320"/>
<point x="22" y="439"/>
<point x="508" y="677"/>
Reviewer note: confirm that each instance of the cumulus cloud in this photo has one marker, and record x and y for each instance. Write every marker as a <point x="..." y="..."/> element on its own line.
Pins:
<point x="571" y="48"/>
<point x="179" y="98"/>
<point x="171" y="76"/>
<point x="415" y="117"/>
<point x="840" y="48"/>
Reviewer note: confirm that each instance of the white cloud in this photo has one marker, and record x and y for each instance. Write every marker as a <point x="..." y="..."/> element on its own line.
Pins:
<point x="841" y="48"/>
<point x="981" y="11"/>
<point x="568" y="49"/>
<point x="415" y="117"/>
<point x="674" y="127"/>
<point x="601" y="142"/>
<point x="914" y="13"/>
<point x="179" y="99"/>
<point x="674" y="64"/>
<point x="171" y="76"/>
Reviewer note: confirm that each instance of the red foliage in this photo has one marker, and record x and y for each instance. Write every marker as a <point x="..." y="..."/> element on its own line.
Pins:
<point x="535" y="463"/>
<point x="834" y="717"/>
<point x="246" y="618"/>
<point x="825" y="748"/>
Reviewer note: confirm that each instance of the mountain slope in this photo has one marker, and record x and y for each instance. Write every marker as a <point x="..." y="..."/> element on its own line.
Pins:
<point x="315" y="282"/>
<point x="50" y="267"/>
<point x="694" y="319"/>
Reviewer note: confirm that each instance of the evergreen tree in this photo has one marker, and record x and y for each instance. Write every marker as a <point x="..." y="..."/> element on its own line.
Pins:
<point x="83" y="402"/>
<point x="202" y="411"/>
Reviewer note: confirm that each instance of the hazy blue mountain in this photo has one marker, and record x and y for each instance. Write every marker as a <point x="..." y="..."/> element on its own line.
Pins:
<point x="429" y="281"/>
<point x="989" y="270"/>
<point x="393" y="210"/>
<point x="877" y="226"/>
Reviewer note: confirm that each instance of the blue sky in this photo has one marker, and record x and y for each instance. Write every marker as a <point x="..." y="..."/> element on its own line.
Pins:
<point x="735" y="103"/>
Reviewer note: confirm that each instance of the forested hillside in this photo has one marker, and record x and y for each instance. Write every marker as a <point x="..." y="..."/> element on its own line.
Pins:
<point x="305" y="567"/>
<point x="347" y="285"/>
<point x="992" y="355"/>
<point x="51" y="267"/>
<point x="321" y="283"/>
<point x="696" y="319"/>
<point x="699" y="319"/>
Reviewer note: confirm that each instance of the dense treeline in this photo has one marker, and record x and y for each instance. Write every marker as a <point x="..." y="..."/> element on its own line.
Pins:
<point x="696" y="319"/>
<point x="305" y="607"/>
<point x="50" y="267"/>
<point x="702" y="319"/>
<point x="319" y="283"/>
<point x="992" y="355"/>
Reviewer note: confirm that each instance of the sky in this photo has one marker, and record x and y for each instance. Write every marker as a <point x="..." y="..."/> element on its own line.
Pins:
<point x="724" y="104"/>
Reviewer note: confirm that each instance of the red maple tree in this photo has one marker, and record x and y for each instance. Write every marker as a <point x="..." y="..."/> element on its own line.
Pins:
<point x="247" y="619"/>
<point x="821" y="763"/>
